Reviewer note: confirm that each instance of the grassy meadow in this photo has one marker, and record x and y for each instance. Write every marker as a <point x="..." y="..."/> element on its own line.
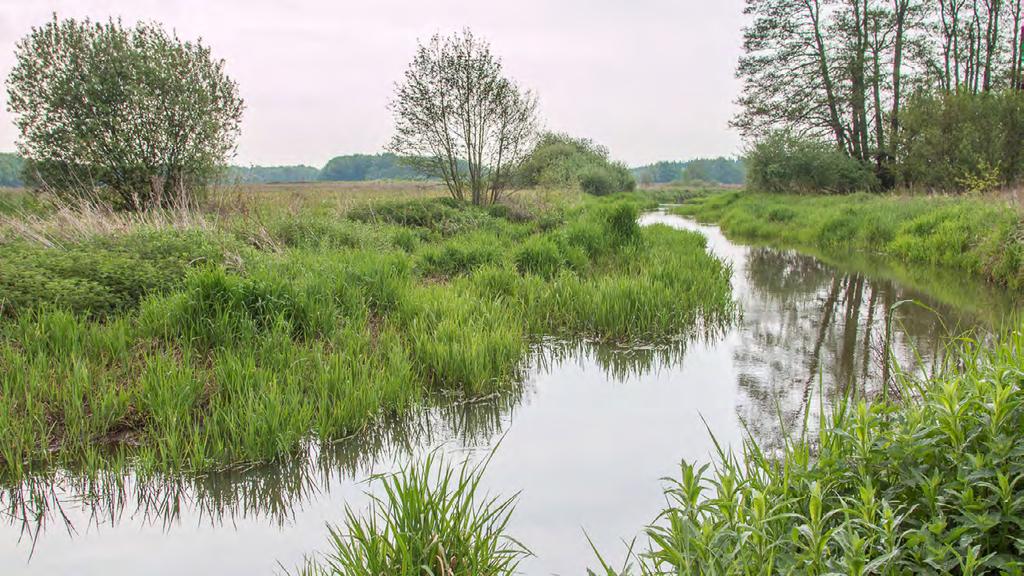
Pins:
<point x="982" y="237"/>
<point x="242" y="332"/>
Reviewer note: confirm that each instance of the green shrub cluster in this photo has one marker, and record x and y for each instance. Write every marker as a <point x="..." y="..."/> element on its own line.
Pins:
<point x="561" y="161"/>
<point x="962" y="141"/>
<point x="784" y="163"/>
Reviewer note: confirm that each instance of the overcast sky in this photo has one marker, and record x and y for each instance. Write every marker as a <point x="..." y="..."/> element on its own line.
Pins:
<point x="650" y="79"/>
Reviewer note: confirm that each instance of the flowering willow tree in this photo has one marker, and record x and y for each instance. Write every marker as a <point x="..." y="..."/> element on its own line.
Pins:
<point x="133" y="116"/>
<point x="458" y="118"/>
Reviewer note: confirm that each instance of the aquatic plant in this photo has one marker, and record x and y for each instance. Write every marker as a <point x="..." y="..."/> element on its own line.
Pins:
<point x="432" y="518"/>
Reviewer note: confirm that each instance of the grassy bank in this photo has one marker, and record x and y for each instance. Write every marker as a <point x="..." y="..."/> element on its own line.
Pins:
<point x="196" y="343"/>
<point x="983" y="238"/>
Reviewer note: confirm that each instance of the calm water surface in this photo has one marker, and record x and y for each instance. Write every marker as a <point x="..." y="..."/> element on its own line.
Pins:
<point x="585" y="440"/>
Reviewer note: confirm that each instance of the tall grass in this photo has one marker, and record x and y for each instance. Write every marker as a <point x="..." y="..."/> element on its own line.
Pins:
<point x="195" y="350"/>
<point x="431" y="519"/>
<point x="929" y="482"/>
<point x="984" y="238"/>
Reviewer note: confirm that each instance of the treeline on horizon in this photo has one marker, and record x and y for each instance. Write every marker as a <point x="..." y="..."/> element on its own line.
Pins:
<point x="876" y="94"/>
<point x="387" y="166"/>
<point x="721" y="170"/>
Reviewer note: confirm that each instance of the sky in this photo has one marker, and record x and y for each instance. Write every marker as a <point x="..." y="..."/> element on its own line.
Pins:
<point x="650" y="79"/>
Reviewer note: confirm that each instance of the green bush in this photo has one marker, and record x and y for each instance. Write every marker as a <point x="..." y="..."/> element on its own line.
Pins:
<point x="561" y="161"/>
<point x="784" y="163"/>
<point x="962" y="141"/>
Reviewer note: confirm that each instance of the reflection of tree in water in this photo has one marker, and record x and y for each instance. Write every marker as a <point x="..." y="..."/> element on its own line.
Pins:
<point x="808" y="327"/>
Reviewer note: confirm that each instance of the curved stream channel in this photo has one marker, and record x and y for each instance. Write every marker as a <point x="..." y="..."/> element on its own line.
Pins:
<point x="585" y="440"/>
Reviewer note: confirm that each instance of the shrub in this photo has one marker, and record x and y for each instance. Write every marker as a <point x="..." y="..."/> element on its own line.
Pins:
<point x="960" y="141"/>
<point x="785" y="163"/>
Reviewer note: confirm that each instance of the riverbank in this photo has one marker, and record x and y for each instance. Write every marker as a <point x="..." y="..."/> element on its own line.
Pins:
<point x="196" y="342"/>
<point x="983" y="238"/>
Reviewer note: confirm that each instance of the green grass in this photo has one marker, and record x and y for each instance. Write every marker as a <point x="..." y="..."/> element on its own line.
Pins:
<point x="930" y="482"/>
<point x="983" y="238"/>
<point x="249" y="340"/>
<point x="432" y="518"/>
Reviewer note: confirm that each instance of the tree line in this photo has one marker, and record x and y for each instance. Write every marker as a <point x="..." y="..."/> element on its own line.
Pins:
<point x="729" y="171"/>
<point x="896" y="85"/>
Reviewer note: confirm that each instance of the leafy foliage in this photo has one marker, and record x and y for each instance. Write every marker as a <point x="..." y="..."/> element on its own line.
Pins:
<point x="272" y="174"/>
<point x="133" y="115"/>
<point x="785" y="163"/>
<point x="10" y="170"/>
<point x="356" y="167"/>
<point x="456" y="106"/>
<point x="561" y="161"/>
<point x="963" y="141"/>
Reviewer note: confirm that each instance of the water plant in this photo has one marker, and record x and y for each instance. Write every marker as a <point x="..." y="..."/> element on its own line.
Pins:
<point x="192" y="350"/>
<point x="431" y="518"/>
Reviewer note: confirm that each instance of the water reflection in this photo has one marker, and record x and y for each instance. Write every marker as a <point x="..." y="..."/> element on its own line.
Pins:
<point x="272" y="492"/>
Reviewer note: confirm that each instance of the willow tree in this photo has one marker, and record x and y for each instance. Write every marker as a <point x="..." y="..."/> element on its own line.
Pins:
<point x="460" y="119"/>
<point x="134" y="116"/>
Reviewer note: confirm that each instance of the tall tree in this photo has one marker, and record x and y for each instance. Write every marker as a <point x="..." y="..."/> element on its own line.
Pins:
<point x="457" y="117"/>
<point x="787" y="71"/>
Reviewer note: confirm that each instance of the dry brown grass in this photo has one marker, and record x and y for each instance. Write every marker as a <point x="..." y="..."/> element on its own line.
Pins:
<point x="337" y="197"/>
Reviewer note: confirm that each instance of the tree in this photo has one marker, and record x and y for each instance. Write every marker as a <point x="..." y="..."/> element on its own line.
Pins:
<point x="132" y="115"/>
<point x="458" y="118"/>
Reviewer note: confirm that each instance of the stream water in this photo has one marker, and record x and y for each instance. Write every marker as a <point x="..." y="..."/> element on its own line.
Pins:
<point x="585" y="440"/>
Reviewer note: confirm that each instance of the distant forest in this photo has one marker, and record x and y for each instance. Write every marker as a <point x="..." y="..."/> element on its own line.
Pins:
<point x="713" y="170"/>
<point x="358" y="167"/>
<point x="10" y="169"/>
<point x="349" y="168"/>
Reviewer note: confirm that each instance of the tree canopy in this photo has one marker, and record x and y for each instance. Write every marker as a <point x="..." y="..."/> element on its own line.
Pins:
<point x="132" y="114"/>
<point x="460" y="119"/>
<point x="384" y="166"/>
<point x="844" y="71"/>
